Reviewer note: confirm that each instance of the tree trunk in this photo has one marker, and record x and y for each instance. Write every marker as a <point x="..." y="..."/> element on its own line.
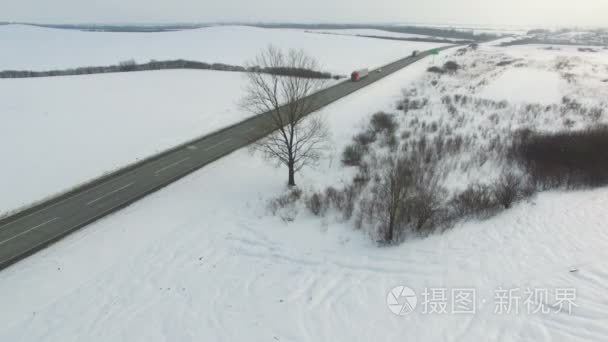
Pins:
<point x="388" y="234"/>
<point x="292" y="181"/>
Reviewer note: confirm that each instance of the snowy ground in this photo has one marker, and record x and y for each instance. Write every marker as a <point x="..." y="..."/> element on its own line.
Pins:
<point x="36" y="48"/>
<point x="203" y="260"/>
<point x="496" y="92"/>
<point x="59" y="132"/>
<point x="548" y="72"/>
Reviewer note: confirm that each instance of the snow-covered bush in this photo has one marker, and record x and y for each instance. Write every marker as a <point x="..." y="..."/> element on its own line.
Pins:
<point x="451" y="66"/>
<point x="478" y="200"/>
<point x="508" y="189"/>
<point x="315" y="204"/>
<point x="352" y="154"/>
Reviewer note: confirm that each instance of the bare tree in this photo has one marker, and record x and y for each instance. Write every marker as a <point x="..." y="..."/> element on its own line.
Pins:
<point x="296" y="141"/>
<point x="425" y="204"/>
<point x="392" y="192"/>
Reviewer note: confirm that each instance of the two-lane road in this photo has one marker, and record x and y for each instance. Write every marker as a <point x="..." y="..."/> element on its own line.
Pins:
<point x="24" y="233"/>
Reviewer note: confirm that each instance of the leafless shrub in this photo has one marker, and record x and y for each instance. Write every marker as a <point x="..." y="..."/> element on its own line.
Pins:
<point x="569" y="123"/>
<point x="508" y="189"/>
<point x="315" y="204"/>
<point x="390" y="195"/>
<point x="391" y="141"/>
<point x="452" y="110"/>
<point x="446" y="100"/>
<point x="451" y="66"/>
<point x="284" y="205"/>
<point x="365" y="138"/>
<point x="362" y="176"/>
<point x="461" y="51"/>
<point x="382" y="122"/>
<point x="342" y="201"/>
<point x="353" y="154"/>
<point x="436" y="70"/>
<point x="596" y="113"/>
<point x="349" y="195"/>
<point x="582" y="49"/>
<point x="454" y="145"/>
<point x="425" y="204"/>
<point x="476" y="201"/>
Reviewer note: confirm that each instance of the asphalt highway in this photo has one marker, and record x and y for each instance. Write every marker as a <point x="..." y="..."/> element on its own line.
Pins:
<point x="30" y="230"/>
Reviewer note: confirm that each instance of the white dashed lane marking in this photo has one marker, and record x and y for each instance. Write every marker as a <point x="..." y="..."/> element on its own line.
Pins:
<point x="218" y="144"/>
<point x="157" y="172"/>
<point x="28" y="230"/>
<point x="110" y="193"/>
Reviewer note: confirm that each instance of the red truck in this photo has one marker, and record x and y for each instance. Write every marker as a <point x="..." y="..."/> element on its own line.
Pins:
<point x="357" y="75"/>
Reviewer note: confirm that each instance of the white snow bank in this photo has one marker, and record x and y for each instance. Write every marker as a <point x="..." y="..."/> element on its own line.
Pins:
<point x="58" y="132"/>
<point x="525" y="85"/>
<point x="201" y="260"/>
<point x="36" y="48"/>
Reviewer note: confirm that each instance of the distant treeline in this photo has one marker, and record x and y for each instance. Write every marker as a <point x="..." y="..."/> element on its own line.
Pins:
<point x="412" y="39"/>
<point x="131" y="65"/>
<point x="426" y="40"/>
<point x="122" y="28"/>
<point x="535" y="40"/>
<point x="427" y="31"/>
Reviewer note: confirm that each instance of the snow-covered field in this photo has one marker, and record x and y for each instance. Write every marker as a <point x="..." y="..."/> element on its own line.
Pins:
<point x="35" y="48"/>
<point x="203" y="260"/>
<point x="58" y="132"/>
<point x="511" y="86"/>
<point x="61" y="131"/>
<point x="546" y="72"/>
<point x="496" y="92"/>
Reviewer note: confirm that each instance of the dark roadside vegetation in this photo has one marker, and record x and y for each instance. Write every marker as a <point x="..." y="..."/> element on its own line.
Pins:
<point x="571" y="160"/>
<point x="131" y="66"/>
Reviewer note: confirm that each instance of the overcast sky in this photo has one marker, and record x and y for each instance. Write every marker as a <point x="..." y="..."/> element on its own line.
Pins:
<point x="493" y="12"/>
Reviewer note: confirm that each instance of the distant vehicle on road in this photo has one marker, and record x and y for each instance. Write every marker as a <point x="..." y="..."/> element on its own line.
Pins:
<point x="357" y="75"/>
<point x="415" y="53"/>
